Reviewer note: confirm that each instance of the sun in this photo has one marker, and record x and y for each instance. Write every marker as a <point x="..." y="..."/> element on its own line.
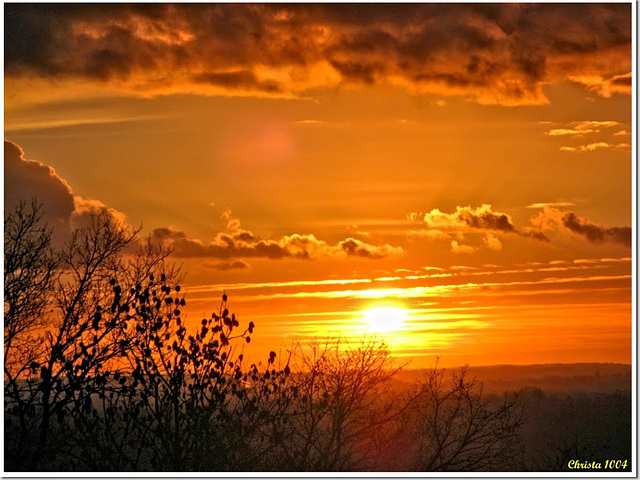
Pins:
<point x="384" y="319"/>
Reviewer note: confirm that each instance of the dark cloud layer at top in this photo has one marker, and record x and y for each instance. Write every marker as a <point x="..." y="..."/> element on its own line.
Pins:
<point x="499" y="53"/>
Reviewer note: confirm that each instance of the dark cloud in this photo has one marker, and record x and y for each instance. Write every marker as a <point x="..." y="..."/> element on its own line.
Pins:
<point x="533" y="233"/>
<point x="497" y="53"/>
<point x="356" y="248"/>
<point x="26" y="180"/>
<point x="596" y="233"/>
<point x="225" y="246"/>
<point x="225" y="266"/>
<point x="486" y="219"/>
<point x="238" y="80"/>
<point x="554" y="219"/>
<point x="622" y="81"/>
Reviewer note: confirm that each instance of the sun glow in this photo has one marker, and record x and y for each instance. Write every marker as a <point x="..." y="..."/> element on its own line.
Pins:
<point x="384" y="319"/>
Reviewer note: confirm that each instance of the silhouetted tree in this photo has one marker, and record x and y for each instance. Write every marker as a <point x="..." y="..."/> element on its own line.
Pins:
<point x="184" y="401"/>
<point x="339" y="402"/>
<point x="74" y="318"/>
<point x="455" y="428"/>
<point x="116" y="381"/>
<point x="30" y="265"/>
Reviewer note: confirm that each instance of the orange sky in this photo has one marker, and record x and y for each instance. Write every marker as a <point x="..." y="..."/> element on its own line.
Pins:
<point x="470" y="164"/>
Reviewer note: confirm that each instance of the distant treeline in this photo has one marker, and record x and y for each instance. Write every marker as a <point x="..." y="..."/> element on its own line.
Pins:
<point x="101" y="374"/>
<point x="587" y="377"/>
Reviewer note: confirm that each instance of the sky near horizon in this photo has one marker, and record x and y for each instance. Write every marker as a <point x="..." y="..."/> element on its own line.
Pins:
<point x="464" y="169"/>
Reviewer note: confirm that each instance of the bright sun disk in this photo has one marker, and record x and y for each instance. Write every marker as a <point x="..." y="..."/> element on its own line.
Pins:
<point x="384" y="319"/>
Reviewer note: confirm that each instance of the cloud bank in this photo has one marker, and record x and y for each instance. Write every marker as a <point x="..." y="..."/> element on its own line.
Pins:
<point x="29" y="179"/>
<point x="482" y="218"/>
<point x="493" y="53"/>
<point x="26" y="180"/>
<point x="245" y="244"/>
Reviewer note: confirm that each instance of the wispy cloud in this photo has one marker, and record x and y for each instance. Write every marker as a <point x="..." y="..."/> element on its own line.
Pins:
<point x="577" y="265"/>
<point x="310" y="122"/>
<point x="582" y="128"/>
<point x="75" y="122"/>
<point x="550" y="204"/>
<point x="430" y="291"/>
<point x="605" y="86"/>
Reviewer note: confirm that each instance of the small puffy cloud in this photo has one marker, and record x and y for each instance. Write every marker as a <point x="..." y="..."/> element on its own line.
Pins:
<point x="87" y="208"/>
<point x="621" y="133"/>
<point x="440" y="220"/>
<point x="549" y="219"/>
<point x="555" y="219"/>
<point x="483" y="219"/>
<point x="356" y="248"/>
<point x="480" y="218"/>
<point x="591" y="147"/>
<point x="556" y="132"/>
<point x="459" y="248"/>
<point x="492" y="242"/>
<point x="582" y="128"/>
